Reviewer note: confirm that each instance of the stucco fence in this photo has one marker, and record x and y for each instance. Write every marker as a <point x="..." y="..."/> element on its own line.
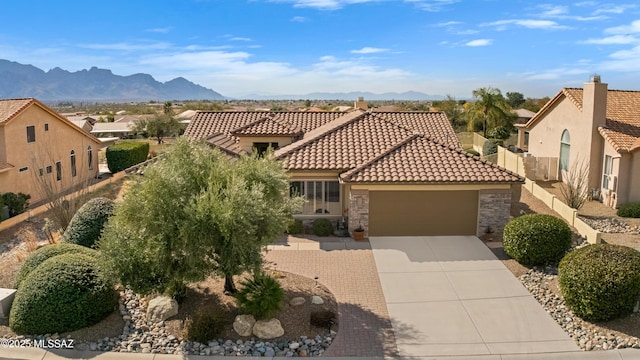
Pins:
<point x="43" y="208"/>
<point x="515" y="163"/>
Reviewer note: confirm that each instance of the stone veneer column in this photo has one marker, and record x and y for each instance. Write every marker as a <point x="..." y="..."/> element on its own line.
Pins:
<point x="359" y="210"/>
<point x="494" y="210"/>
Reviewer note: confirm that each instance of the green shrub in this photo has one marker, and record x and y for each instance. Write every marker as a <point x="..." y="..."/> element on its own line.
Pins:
<point x="295" y="227"/>
<point x="472" y="152"/>
<point x="65" y="293"/>
<point x="322" y="227"/>
<point x="260" y="296"/>
<point x="491" y="146"/>
<point x="1" y="207"/>
<point x="630" y="210"/>
<point x="203" y="327"/>
<point x="87" y="223"/>
<point x="126" y="154"/>
<point x="536" y="239"/>
<point x="17" y="203"/>
<point x="44" y="253"/>
<point x="600" y="282"/>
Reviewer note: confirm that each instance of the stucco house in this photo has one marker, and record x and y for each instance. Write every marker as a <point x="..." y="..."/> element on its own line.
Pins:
<point x="38" y="145"/>
<point x="393" y="173"/>
<point x="594" y="125"/>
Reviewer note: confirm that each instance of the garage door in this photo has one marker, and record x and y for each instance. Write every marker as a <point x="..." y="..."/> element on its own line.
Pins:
<point x="415" y="213"/>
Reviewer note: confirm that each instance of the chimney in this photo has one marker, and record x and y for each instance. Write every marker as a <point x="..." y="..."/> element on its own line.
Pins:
<point x="594" y="102"/>
<point x="360" y="104"/>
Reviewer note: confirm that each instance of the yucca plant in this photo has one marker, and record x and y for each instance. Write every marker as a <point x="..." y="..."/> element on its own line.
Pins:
<point x="260" y="296"/>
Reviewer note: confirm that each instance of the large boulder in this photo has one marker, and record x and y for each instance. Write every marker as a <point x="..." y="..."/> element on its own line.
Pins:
<point x="268" y="329"/>
<point x="161" y="308"/>
<point x="243" y="324"/>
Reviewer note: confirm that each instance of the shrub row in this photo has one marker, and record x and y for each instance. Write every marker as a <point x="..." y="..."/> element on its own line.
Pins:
<point x="126" y="154"/>
<point x="16" y="203"/>
<point x="86" y="225"/>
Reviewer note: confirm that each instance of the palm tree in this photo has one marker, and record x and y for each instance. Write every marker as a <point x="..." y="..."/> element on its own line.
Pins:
<point x="489" y="104"/>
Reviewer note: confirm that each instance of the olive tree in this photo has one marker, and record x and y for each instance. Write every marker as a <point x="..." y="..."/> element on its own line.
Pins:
<point x="195" y="212"/>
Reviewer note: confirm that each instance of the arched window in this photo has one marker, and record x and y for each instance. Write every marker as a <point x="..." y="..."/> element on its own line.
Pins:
<point x="90" y="157"/>
<point x="565" y="148"/>
<point x="73" y="163"/>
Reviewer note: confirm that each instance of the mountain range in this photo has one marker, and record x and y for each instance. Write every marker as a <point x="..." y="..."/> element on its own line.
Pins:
<point x="26" y="81"/>
<point x="101" y="85"/>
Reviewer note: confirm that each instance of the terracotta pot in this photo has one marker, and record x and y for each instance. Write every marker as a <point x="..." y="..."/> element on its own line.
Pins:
<point x="358" y="235"/>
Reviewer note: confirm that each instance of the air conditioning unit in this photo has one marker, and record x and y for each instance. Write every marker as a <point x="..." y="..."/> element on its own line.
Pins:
<point x="613" y="182"/>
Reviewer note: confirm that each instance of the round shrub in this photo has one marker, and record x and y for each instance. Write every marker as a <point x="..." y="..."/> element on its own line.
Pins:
<point x="536" y="239"/>
<point x="204" y="326"/>
<point x="600" y="282"/>
<point x="322" y="227"/>
<point x="65" y="293"/>
<point x="295" y="227"/>
<point x="629" y="210"/>
<point x="46" y="252"/>
<point x="87" y="223"/>
<point x="491" y="146"/>
<point x="260" y="296"/>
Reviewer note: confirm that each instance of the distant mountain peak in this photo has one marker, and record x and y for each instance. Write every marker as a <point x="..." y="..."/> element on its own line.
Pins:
<point x="95" y="84"/>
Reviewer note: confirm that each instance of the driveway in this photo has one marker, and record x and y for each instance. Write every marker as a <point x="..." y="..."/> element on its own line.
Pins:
<point x="449" y="295"/>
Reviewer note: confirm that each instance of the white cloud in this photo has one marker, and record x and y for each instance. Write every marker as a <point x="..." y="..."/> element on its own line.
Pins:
<point x="163" y="30"/>
<point x="615" y="39"/>
<point x="527" y="23"/>
<point x="125" y="46"/>
<point x="237" y="38"/>
<point x="614" y="9"/>
<point x="554" y="74"/>
<point x="479" y="42"/>
<point x="553" y="10"/>
<point x="323" y="4"/>
<point x="432" y="5"/>
<point x="368" y="50"/>
<point x="299" y="19"/>
<point x="632" y="28"/>
<point x="447" y="24"/>
<point x="624" y="61"/>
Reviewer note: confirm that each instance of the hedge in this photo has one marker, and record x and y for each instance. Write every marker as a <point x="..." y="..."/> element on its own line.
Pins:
<point x="629" y="210"/>
<point x="126" y="154"/>
<point x="600" y="282"/>
<point x="44" y="253"/>
<point x="65" y="293"/>
<point x="536" y="239"/>
<point x="86" y="225"/>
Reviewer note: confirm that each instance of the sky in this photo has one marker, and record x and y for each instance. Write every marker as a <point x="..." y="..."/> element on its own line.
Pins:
<point x="284" y="47"/>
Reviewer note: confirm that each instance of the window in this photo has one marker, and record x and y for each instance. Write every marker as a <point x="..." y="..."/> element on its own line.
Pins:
<point x="73" y="163"/>
<point x="565" y="147"/>
<point x="607" y="171"/>
<point x="31" y="134"/>
<point x="58" y="171"/>
<point x="23" y="169"/>
<point x="322" y="197"/>
<point x="46" y="127"/>
<point x="40" y="171"/>
<point x="49" y="169"/>
<point x="90" y="157"/>
<point x="262" y="147"/>
<point x="526" y="138"/>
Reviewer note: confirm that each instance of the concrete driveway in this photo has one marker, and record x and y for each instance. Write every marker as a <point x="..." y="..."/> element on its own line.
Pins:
<point x="449" y="295"/>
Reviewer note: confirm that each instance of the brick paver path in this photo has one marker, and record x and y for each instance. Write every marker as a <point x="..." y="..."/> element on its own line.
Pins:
<point x="351" y="275"/>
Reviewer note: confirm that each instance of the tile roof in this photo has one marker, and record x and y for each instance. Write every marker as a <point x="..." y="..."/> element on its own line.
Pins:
<point x="5" y="165"/>
<point x="267" y="126"/>
<point x="419" y="159"/>
<point x="225" y="142"/>
<point x="11" y="107"/>
<point x="623" y="119"/>
<point x="434" y="125"/>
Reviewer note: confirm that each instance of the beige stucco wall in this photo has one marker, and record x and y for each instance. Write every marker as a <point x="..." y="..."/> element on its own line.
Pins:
<point x="246" y="142"/>
<point x="49" y="147"/>
<point x="634" y="177"/>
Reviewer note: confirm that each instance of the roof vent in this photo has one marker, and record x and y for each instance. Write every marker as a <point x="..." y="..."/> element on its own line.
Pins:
<point x="595" y="78"/>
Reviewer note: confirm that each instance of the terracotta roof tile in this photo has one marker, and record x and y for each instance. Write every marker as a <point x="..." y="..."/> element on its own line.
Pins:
<point x="421" y="160"/>
<point x="207" y="123"/>
<point x="434" y="125"/>
<point x="11" y="107"/>
<point x="225" y="142"/>
<point x="267" y="126"/>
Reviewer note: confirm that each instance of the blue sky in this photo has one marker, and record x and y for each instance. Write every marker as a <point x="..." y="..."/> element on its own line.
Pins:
<point x="240" y="47"/>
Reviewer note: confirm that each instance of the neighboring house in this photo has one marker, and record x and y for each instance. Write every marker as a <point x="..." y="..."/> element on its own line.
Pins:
<point x="595" y="125"/>
<point x="39" y="146"/>
<point x="395" y="173"/>
<point x="523" y="116"/>
<point x="120" y="130"/>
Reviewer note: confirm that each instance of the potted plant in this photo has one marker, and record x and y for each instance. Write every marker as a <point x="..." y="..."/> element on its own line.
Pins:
<point x="358" y="233"/>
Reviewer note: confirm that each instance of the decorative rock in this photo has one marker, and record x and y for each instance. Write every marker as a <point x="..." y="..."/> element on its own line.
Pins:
<point x="268" y="329"/>
<point x="243" y="324"/>
<point x="294" y="345"/>
<point x="297" y="301"/>
<point x="269" y="352"/>
<point x="161" y="308"/>
<point x="317" y="300"/>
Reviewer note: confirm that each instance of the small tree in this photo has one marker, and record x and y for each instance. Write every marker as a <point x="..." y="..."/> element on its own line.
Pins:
<point x="159" y="126"/>
<point x="194" y="212"/>
<point x="575" y="188"/>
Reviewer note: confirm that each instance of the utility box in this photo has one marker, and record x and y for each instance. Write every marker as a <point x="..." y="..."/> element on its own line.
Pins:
<point x="6" y="299"/>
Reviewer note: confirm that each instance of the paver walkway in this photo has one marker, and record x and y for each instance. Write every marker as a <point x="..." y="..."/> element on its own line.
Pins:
<point x="348" y="270"/>
<point x="450" y="296"/>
